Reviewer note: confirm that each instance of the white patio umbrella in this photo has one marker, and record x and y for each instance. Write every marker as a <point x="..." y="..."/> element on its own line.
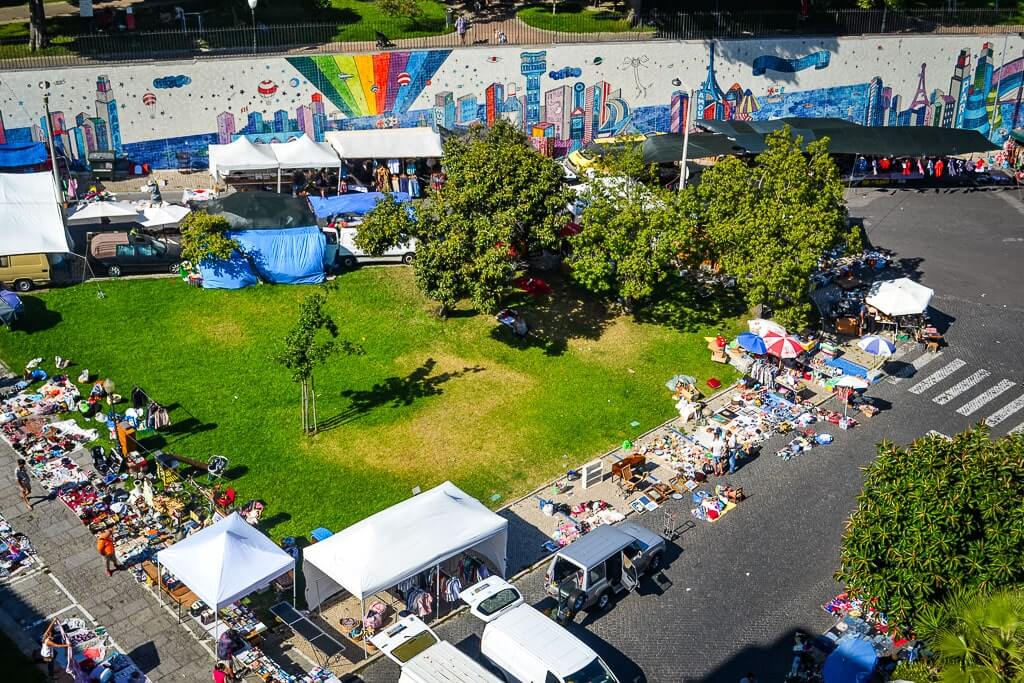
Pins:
<point x="761" y="327"/>
<point x="160" y="216"/>
<point x="94" y="212"/>
<point x="852" y="383"/>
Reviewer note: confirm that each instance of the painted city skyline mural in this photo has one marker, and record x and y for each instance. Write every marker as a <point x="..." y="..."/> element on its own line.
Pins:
<point x="166" y="115"/>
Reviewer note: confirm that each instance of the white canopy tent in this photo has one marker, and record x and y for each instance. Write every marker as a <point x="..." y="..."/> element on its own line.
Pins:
<point x="31" y="218"/>
<point x="303" y="152"/>
<point x="225" y="562"/>
<point x="899" y="297"/>
<point x="241" y="155"/>
<point x="389" y="143"/>
<point x="400" y="542"/>
<point x="114" y="212"/>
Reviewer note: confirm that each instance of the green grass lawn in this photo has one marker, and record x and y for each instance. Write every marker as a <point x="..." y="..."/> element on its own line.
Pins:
<point x="430" y="400"/>
<point x="572" y="18"/>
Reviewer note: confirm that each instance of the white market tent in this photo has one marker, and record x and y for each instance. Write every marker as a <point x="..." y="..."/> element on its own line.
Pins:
<point x="241" y="155"/>
<point x="31" y="218"/>
<point x="388" y="143"/>
<point x="400" y="542"/>
<point x="226" y="561"/>
<point x="899" y="297"/>
<point x="94" y="212"/>
<point x="303" y="152"/>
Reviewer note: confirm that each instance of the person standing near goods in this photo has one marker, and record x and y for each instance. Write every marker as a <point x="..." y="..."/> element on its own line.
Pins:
<point x="460" y="28"/>
<point x="220" y="673"/>
<point x="53" y="640"/>
<point x="226" y="653"/>
<point x="105" y="547"/>
<point x="24" y="482"/>
<point x="749" y="678"/>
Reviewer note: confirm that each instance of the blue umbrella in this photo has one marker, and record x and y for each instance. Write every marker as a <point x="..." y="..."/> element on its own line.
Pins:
<point x="876" y="346"/>
<point x="751" y="342"/>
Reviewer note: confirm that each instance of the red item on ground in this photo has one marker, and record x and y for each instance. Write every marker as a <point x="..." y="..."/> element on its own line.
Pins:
<point x="533" y="286"/>
<point x="714" y="383"/>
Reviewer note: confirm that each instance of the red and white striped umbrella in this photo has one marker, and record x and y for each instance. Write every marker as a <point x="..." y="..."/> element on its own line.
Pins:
<point x="782" y="346"/>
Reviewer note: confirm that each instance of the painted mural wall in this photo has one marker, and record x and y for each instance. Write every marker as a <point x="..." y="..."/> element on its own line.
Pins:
<point x="166" y="114"/>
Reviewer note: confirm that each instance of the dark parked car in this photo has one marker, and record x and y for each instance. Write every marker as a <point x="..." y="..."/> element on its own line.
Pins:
<point x="117" y="253"/>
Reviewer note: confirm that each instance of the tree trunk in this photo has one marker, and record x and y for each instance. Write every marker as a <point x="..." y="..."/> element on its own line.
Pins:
<point x="37" y="39"/>
<point x="312" y="401"/>
<point x="305" y="408"/>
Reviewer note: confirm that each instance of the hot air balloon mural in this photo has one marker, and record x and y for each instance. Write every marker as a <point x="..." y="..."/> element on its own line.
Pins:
<point x="266" y="89"/>
<point x="149" y="100"/>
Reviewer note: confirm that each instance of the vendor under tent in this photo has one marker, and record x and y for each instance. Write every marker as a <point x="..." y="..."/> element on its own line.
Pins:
<point x="303" y="152"/>
<point x="399" y="543"/>
<point x="31" y="218"/>
<point x="241" y="155"/>
<point x="106" y="212"/>
<point x="359" y="203"/>
<point x="225" y="562"/>
<point x="388" y="143"/>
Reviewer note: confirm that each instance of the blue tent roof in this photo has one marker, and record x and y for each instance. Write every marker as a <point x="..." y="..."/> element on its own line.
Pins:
<point x="16" y="155"/>
<point x="360" y="203"/>
<point x="853" y="661"/>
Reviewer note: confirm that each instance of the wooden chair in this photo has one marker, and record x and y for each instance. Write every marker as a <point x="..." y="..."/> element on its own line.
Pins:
<point x="627" y="475"/>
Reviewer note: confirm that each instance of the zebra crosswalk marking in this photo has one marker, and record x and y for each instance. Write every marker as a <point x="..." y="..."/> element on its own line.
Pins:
<point x="936" y="377"/>
<point x="1005" y="412"/>
<point x="914" y="367"/>
<point x="1019" y="429"/>
<point x="960" y="387"/>
<point x="979" y="401"/>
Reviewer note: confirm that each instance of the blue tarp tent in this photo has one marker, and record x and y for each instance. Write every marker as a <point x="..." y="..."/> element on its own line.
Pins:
<point x="360" y="203"/>
<point x="235" y="273"/>
<point x="22" y="155"/>
<point x="853" y="661"/>
<point x="10" y="307"/>
<point x="293" y="256"/>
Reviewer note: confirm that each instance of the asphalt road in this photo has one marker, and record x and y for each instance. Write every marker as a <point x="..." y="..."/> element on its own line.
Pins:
<point x="741" y="587"/>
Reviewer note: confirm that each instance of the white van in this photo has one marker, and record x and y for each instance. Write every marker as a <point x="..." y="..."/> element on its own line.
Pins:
<point x="349" y="255"/>
<point x="425" y="658"/>
<point x="525" y="645"/>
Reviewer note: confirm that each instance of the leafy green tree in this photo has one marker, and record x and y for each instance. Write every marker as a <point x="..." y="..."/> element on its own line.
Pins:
<point x="634" y="235"/>
<point x="203" y="238"/>
<point x="937" y="517"/>
<point x="401" y="8"/>
<point x="387" y="225"/>
<point x="309" y="344"/>
<point x="501" y="201"/>
<point x="769" y="223"/>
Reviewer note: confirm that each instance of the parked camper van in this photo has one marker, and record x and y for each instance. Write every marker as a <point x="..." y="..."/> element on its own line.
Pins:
<point x="24" y="271"/>
<point x="425" y="658"/>
<point x="525" y="645"/>
<point x="608" y="560"/>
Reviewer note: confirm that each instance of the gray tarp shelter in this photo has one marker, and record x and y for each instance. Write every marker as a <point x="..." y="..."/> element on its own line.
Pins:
<point x="245" y="210"/>
<point x="846" y="137"/>
<point x="668" y="148"/>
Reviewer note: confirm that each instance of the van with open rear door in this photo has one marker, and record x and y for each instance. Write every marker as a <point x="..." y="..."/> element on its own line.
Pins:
<point x="524" y="644"/>
<point x="425" y="658"/>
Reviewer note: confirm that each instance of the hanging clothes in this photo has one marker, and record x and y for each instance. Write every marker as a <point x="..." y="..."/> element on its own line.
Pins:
<point x="452" y="589"/>
<point x="157" y="416"/>
<point x="139" y="398"/>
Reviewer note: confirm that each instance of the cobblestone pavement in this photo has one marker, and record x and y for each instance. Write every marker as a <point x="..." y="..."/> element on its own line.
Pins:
<point x="74" y="583"/>
<point x="742" y="586"/>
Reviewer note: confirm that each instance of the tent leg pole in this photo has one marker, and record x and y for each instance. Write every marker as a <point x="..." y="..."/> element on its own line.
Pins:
<point x="362" y="623"/>
<point x="437" y="601"/>
<point x="279" y="181"/>
<point x="295" y="587"/>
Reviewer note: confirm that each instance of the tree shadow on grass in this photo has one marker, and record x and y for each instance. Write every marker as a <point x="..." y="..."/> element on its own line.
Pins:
<point x="36" y="317"/>
<point x="394" y="392"/>
<point x="689" y="306"/>
<point x="568" y="313"/>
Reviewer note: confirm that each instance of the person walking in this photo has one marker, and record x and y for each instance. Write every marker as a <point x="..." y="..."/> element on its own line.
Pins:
<point x="460" y="27"/>
<point x="220" y="673"/>
<point x="24" y="482"/>
<point x="105" y="547"/>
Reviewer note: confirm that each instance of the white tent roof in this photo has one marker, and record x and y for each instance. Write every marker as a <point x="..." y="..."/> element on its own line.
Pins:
<point x="241" y="155"/>
<point x="899" y="297"/>
<point x="303" y="152"/>
<point x="31" y="220"/>
<point x="93" y="212"/>
<point x="389" y="143"/>
<point x="397" y="543"/>
<point x="226" y="561"/>
<point x="171" y="214"/>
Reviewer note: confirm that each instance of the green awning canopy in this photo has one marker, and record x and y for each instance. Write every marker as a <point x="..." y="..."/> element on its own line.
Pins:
<point x="846" y="137"/>
<point x="663" y="149"/>
<point x="1018" y="135"/>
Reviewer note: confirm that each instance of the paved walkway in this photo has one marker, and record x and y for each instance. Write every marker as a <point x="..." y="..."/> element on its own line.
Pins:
<point x="75" y="584"/>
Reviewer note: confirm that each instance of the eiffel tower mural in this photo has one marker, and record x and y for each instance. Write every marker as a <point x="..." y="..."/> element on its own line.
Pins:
<point x="918" y="110"/>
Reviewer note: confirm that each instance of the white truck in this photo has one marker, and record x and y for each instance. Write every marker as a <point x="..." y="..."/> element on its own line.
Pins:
<point x="348" y="255"/>
<point x="525" y="645"/>
<point x="425" y="658"/>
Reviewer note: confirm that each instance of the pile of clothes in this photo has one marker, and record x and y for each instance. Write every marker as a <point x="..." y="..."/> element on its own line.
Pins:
<point x="16" y="551"/>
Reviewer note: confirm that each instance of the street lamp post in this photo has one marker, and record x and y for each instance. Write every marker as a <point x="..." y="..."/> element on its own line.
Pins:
<point x="252" y="9"/>
<point x="45" y="86"/>
<point x="686" y="140"/>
